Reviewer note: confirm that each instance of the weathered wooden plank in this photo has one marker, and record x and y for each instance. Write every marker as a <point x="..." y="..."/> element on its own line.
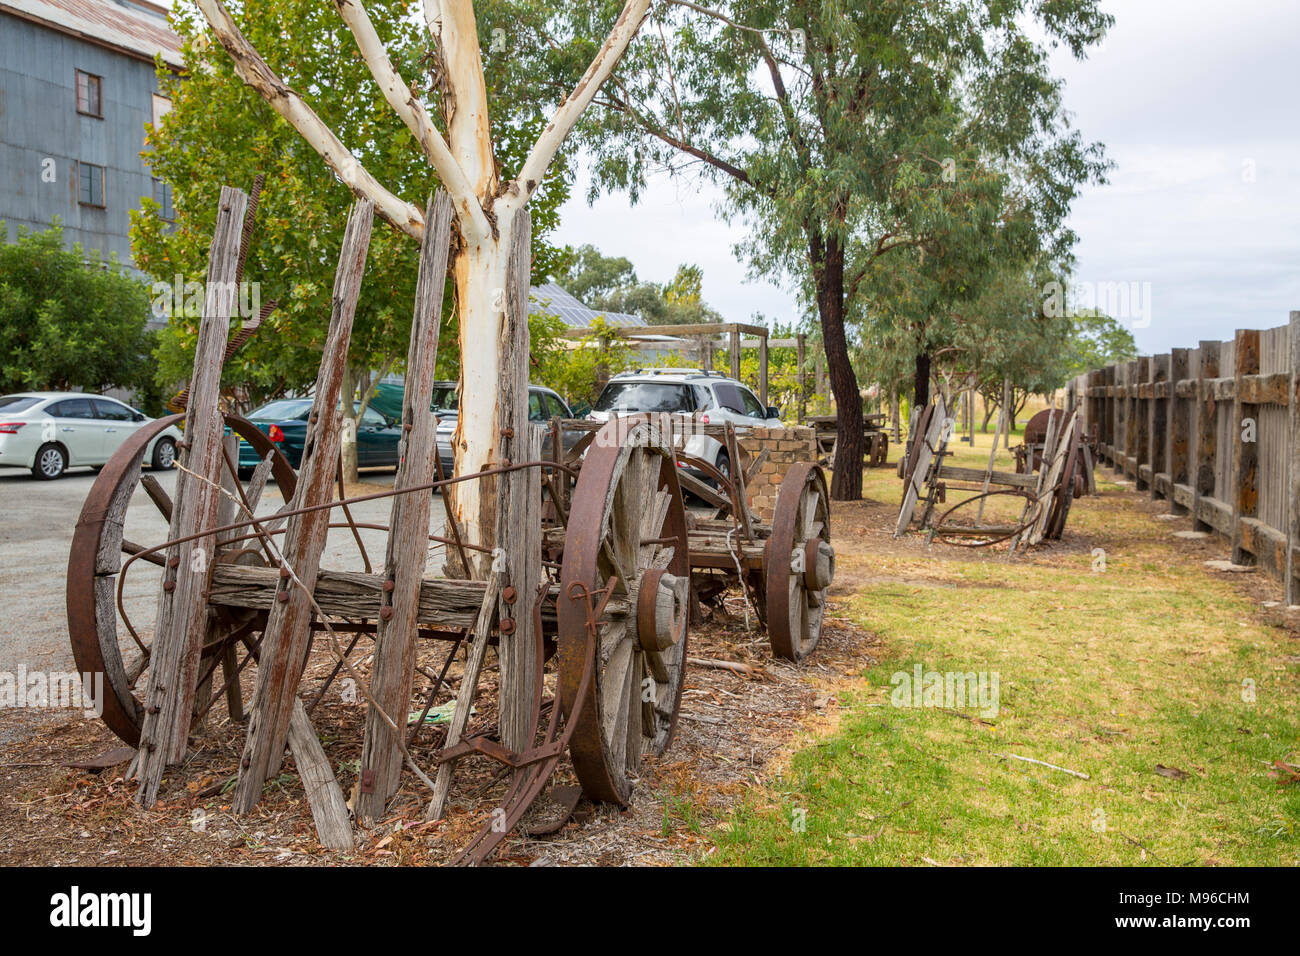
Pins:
<point x="288" y="628"/>
<point x="1158" y="422"/>
<point x="1180" y="429"/>
<point x="484" y="623"/>
<point x="1207" y="435"/>
<point x="1266" y="545"/>
<point x="393" y="672"/>
<point x="182" y="614"/>
<point x="976" y="476"/>
<point x="329" y="811"/>
<point x="1272" y="389"/>
<point x="1245" y="443"/>
<point x="518" y="533"/>
<point x="1214" y="515"/>
<point x="1293" y="495"/>
<point x="445" y="603"/>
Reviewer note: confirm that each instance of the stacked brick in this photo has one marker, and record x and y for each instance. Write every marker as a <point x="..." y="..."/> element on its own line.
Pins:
<point x="785" y="447"/>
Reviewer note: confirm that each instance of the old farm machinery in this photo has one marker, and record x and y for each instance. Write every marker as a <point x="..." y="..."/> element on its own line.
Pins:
<point x="196" y="602"/>
<point x="784" y="567"/>
<point x="1042" y="499"/>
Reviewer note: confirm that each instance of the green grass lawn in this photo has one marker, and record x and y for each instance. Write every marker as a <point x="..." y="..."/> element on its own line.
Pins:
<point x="1110" y="673"/>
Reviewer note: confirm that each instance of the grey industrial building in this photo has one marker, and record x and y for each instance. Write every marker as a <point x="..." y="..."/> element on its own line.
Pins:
<point x="77" y="85"/>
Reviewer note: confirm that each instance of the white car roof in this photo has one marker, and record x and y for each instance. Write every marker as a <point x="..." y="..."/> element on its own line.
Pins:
<point x="676" y="376"/>
<point x="46" y="395"/>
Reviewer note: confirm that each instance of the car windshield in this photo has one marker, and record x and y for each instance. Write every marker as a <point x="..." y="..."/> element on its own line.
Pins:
<point x="283" y="410"/>
<point x="18" y="403"/>
<point x="645" y="397"/>
<point x="445" y="399"/>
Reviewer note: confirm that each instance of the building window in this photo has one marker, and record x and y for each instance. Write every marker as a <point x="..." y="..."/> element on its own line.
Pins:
<point x="162" y="195"/>
<point x="90" y="185"/>
<point x="89" y="99"/>
<point x="161" y="107"/>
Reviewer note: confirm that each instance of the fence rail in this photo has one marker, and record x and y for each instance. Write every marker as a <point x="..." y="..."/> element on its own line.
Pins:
<point x="1215" y="432"/>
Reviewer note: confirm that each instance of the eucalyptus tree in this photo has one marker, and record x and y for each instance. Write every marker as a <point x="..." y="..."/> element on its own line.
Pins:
<point x="842" y="132"/>
<point x="462" y="151"/>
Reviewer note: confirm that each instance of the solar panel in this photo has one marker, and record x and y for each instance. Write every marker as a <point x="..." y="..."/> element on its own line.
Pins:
<point x="552" y="299"/>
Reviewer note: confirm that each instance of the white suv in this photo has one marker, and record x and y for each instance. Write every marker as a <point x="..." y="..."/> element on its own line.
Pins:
<point x="711" y="396"/>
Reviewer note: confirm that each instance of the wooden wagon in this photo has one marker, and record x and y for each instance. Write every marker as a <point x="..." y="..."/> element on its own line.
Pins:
<point x="586" y="607"/>
<point x="784" y="566"/>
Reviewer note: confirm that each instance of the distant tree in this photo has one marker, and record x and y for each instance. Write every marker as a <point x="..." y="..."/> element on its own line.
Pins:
<point x="842" y="132"/>
<point x="68" y="324"/>
<point x="1097" y="340"/>
<point x="610" y="284"/>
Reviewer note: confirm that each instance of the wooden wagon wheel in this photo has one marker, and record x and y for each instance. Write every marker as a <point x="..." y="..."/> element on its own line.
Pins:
<point x="628" y="522"/>
<point x="109" y="528"/>
<point x="799" y="562"/>
<point x="1065" y="489"/>
<point x="927" y="445"/>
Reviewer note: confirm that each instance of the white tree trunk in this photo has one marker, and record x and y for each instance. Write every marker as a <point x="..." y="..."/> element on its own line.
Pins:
<point x="466" y="165"/>
<point x="480" y="273"/>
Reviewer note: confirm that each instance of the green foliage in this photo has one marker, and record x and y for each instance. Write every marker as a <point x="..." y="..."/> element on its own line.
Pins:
<point x="67" y="325"/>
<point x="782" y="372"/>
<point x="848" y="137"/>
<point x="576" y="368"/>
<point x="1098" y="341"/>
<point x="610" y="284"/>
<point x="219" y="131"/>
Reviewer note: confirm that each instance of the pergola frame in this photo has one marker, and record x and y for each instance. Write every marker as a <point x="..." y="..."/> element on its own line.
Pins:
<point x="704" y="338"/>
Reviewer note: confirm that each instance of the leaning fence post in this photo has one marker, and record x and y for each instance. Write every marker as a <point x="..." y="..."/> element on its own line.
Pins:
<point x="287" y="636"/>
<point x="182" y="612"/>
<point x="1293" y="474"/>
<point x="518" y="492"/>
<point x="1245" y="451"/>
<point x="393" y="671"/>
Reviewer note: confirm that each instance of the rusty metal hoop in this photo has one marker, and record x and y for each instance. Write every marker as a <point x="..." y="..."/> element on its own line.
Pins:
<point x="96" y="558"/>
<point x="1033" y="505"/>
<point x="627" y="508"/>
<point x="794" y="608"/>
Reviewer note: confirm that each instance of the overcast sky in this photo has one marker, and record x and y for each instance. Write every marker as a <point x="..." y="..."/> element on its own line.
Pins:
<point x="1198" y="104"/>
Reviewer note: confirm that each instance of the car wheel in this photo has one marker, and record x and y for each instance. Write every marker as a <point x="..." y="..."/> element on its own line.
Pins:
<point x="164" y="454"/>
<point x="245" y="474"/>
<point x="51" y="462"/>
<point x="723" y="464"/>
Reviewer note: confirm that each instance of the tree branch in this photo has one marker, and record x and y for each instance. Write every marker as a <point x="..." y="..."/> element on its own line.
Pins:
<point x="616" y="44"/>
<point x="413" y="113"/>
<point x="253" y="70"/>
<point x="643" y="122"/>
<point x="454" y="30"/>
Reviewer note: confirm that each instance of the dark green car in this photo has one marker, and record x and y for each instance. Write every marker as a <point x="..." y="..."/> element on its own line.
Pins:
<point x="285" y="423"/>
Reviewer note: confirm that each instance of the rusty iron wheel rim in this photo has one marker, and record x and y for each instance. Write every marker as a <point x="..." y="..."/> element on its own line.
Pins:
<point x="1033" y="504"/>
<point x="614" y="724"/>
<point x="95" y="645"/>
<point x="802" y="513"/>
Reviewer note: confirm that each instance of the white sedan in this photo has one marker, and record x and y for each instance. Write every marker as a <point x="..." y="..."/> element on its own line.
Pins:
<point x="50" y="432"/>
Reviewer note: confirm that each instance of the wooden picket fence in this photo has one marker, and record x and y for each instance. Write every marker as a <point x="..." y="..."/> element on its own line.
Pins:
<point x="1215" y="432"/>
